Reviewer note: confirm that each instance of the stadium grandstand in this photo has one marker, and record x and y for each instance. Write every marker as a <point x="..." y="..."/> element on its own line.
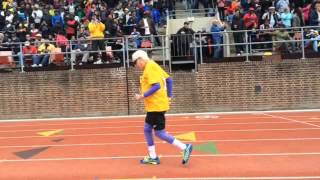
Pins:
<point x="39" y="34"/>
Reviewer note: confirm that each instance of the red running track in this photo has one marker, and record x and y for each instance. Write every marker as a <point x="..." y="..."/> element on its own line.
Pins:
<point x="266" y="145"/>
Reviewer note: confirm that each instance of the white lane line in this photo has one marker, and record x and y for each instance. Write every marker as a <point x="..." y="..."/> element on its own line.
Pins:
<point x="175" y="125"/>
<point x="171" y="132"/>
<point x="173" y="115"/>
<point x="293" y="120"/>
<point x="159" y="142"/>
<point x="163" y="156"/>
<point x="107" y="121"/>
<point x="229" y="178"/>
<point x="123" y="118"/>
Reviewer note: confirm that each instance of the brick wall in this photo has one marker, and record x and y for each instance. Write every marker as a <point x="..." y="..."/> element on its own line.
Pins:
<point x="268" y="85"/>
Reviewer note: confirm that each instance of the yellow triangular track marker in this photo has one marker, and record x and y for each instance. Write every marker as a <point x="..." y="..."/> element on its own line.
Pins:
<point x="51" y="133"/>
<point x="190" y="136"/>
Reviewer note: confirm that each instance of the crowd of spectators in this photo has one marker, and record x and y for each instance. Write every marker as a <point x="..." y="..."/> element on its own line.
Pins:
<point x="36" y="22"/>
<point x="46" y="25"/>
<point x="261" y="17"/>
<point x="267" y="20"/>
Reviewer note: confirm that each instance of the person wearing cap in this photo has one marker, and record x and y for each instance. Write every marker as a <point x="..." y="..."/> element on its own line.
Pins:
<point x="183" y="40"/>
<point x="156" y="92"/>
<point x="250" y="19"/>
<point x="29" y="52"/>
<point x="271" y="16"/>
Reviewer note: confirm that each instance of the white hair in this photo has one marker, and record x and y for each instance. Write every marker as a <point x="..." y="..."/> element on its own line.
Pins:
<point x="140" y="54"/>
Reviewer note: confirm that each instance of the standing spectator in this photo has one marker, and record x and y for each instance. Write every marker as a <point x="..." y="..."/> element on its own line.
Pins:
<point x="22" y="31"/>
<point x="96" y="29"/>
<point x="57" y="22"/>
<point x="217" y="37"/>
<point x="148" y="28"/>
<point x="71" y="27"/>
<point x="37" y="15"/>
<point x="286" y="18"/>
<point x="236" y="25"/>
<point x="271" y="16"/>
<point x="182" y="42"/>
<point x="315" y="17"/>
<point x="250" y="19"/>
<point x="221" y="6"/>
<point x="61" y="41"/>
<point x="281" y="5"/>
<point x="251" y="23"/>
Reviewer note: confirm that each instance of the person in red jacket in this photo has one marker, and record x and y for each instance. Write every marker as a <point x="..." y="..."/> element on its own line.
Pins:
<point x="29" y="52"/>
<point x="250" y="19"/>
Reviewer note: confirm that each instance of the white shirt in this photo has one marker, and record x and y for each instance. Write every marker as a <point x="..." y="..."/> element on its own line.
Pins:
<point x="146" y="25"/>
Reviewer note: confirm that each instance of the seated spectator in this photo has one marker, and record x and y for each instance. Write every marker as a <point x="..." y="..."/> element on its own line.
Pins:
<point x="29" y="52"/>
<point x="282" y="35"/>
<point x="313" y="37"/>
<point x="136" y="37"/>
<point x="80" y="48"/>
<point x="44" y="49"/>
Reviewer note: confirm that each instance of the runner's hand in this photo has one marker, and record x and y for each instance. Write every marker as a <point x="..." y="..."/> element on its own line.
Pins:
<point x="139" y="97"/>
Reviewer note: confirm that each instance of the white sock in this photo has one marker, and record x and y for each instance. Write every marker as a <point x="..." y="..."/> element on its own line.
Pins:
<point x="179" y="144"/>
<point x="152" y="152"/>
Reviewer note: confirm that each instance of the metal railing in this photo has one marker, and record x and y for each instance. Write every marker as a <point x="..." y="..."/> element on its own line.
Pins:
<point x="191" y="13"/>
<point x="189" y="48"/>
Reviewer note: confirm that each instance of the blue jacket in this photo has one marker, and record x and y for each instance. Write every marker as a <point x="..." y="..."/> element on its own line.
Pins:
<point x="216" y="32"/>
<point x="314" y="18"/>
<point x="156" y="16"/>
<point x="55" y="20"/>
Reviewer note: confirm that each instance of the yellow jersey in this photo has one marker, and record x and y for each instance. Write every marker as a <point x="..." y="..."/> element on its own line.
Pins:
<point x="96" y="29"/>
<point x="152" y="74"/>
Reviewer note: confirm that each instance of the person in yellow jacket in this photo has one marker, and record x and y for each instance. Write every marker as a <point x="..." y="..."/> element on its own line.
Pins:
<point x="44" y="50"/>
<point x="156" y="92"/>
<point x="96" y="29"/>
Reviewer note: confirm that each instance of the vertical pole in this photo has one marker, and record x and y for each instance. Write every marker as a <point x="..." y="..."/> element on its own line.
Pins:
<point x="201" y="55"/>
<point x="247" y="46"/>
<point x="302" y="44"/>
<point x="71" y="62"/>
<point x="21" y="58"/>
